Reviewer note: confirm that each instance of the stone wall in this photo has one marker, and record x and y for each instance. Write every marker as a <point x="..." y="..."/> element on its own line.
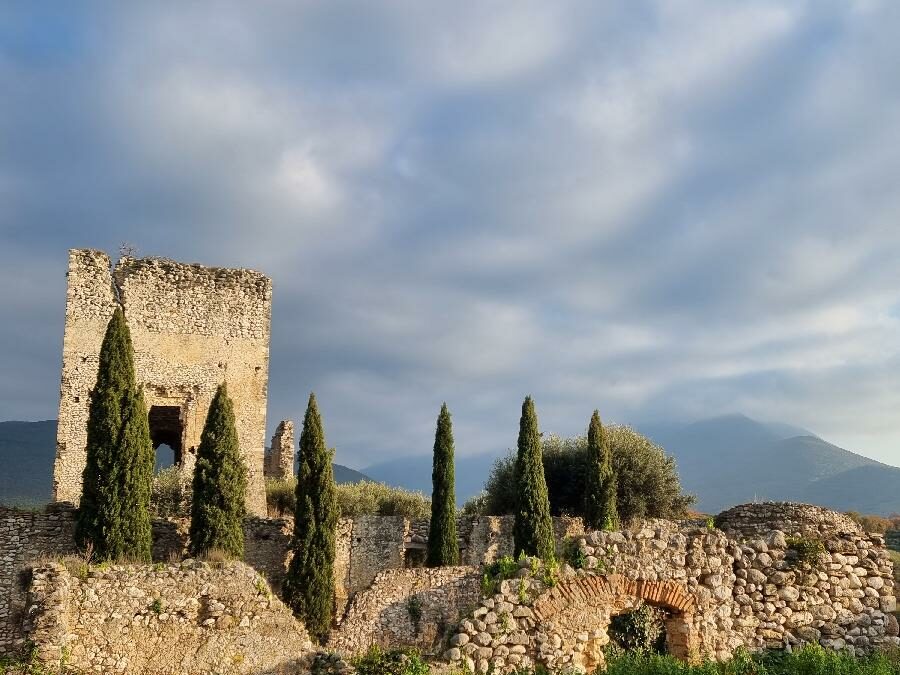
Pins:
<point x="26" y="536"/>
<point x="720" y="592"/>
<point x="800" y="520"/>
<point x="189" y="617"/>
<point x="193" y="327"/>
<point x="408" y="608"/>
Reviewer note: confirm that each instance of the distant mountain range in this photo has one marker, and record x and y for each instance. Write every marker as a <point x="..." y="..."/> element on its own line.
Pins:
<point x="724" y="461"/>
<point x="27" y="451"/>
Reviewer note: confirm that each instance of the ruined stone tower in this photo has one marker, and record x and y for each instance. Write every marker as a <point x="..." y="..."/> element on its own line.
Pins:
<point x="193" y="327"/>
<point x="280" y="456"/>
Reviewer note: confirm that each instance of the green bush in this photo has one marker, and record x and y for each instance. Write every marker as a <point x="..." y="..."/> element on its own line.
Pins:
<point x="377" y="661"/>
<point x="807" y="550"/>
<point x="643" y="629"/>
<point x="356" y="499"/>
<point x="647" y="481"/>
<point x="169" y="496"/>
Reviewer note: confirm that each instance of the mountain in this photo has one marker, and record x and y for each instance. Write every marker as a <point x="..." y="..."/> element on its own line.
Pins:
<point x="733" y="459"/>
<point x="725" y="461"/>
<point x="27" y="451"/>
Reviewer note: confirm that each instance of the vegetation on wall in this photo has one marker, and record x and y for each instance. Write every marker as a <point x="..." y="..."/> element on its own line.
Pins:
<point x="366" y="498"/>
<point x="443" y="547"/>
<point x="600" y="510"/>
<point x="309" y="585"/>
<point x="647" y="484"/>
<point x="169" y="495"/>
<point x="532" y="529"/>
<point x="114" y="514"/>
<point x="219" y="485"/>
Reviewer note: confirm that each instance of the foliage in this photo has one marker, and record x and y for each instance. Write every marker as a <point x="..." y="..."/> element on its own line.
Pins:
<point x="377" y="661"/>
<point x="355" y="499"/>
<point x="808" y="550"/>
<point x="495" y="572"/>
<point x="475" y="506"/>
<point x="647" y="484"/>
<point x="873" y="523"/>
<point x="443" y="547"/>
<point x="414" y="609"/>
<point x="220" y="483"/>
<point x="309" y="585"/>
<point x="642" y="629"/>
<point x="809" y="660"/>
<point x="169" y="497"/>
<point x="532" y="527"/>
<point x="574" y="555"/>
<point x="600" y="510"/>
<point x="114" y="514"/>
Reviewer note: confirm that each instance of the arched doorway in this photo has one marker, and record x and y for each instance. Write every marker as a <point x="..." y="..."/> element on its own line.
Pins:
<point x="572" y="619"/>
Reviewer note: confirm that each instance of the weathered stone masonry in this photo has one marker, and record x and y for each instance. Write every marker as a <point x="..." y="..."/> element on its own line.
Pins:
<point x="193" y="327"/>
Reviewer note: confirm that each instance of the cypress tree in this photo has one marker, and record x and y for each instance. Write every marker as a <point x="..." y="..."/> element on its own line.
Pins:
<point x="220" y="483"/>
<point x="114" y="513"/>
<point x="533" y="528"/>
<point x="443" y="548"/>
<point x="600" y="493"/>
<point x="309" y="585"/>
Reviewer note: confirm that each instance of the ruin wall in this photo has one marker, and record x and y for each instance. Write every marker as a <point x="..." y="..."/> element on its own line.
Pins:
<point x="189" y="617"/>
<point x="193" y="327"/>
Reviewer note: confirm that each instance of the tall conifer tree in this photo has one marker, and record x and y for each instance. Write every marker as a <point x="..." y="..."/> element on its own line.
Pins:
<point x="220" y="483"/>
<point x="114" y="513"/>
<point x="533" y="528"/>
<point x="443" y="548"/>
<point x="309" y="585"/>
<point x="600" y="491"/>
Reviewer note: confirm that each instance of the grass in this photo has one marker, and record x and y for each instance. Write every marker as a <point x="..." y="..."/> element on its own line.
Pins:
<point x="810" y="660"/>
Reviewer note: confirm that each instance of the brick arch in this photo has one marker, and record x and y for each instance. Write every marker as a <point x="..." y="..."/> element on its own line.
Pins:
<point x="583" y="607"/>
<point x="668" y="594"/>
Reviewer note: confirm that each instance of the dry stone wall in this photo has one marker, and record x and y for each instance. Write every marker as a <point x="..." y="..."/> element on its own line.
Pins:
<point x="828" y="586"/>
<point x="190" y="617"/>
<point x="408" y="608"/>
<point x="193" y="327"/>
<point x="26" y="536"/>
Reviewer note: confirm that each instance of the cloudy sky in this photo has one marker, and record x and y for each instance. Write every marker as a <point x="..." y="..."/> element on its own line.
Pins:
<point x="663" y="209"/>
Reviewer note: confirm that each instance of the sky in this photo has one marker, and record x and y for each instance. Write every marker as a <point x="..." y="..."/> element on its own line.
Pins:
<point x="666" y="210"/>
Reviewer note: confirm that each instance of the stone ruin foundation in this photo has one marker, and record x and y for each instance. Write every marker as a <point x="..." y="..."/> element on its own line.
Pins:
<point x="740" y="584"/>
<point x="193" y="327"/>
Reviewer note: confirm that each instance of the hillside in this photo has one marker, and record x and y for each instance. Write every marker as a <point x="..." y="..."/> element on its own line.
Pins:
<point x="27" y="451"/>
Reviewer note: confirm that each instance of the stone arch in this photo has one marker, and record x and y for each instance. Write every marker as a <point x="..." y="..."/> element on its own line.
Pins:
<point x="571" y="618"/>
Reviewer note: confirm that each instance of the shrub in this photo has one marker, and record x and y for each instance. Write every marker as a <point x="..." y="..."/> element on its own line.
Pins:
<point x="356" y="499"/>
<point x="807" y="550"/>
<point x="475" y="506"/>
<point x="647" y="484"/>
<point x="377" y="661"/>
<point x="642" y="629"/>
<point x="169" y="496"/>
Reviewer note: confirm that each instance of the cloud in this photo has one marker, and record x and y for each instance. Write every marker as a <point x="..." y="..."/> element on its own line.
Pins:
<point x="664" y="210"/>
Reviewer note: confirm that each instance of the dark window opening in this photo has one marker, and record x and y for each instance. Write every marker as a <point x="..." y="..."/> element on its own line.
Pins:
<point x="166" y="431"/>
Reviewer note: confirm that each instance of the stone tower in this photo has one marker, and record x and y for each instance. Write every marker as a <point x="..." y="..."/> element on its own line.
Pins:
<point x="193" y="327"/>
